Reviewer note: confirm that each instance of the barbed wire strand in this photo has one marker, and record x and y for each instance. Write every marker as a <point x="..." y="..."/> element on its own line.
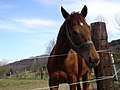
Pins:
<point x="81" y="82"/>
<point x="50" y="56"/>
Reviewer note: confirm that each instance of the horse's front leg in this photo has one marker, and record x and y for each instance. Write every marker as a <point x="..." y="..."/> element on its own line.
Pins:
<point x="72" y="80"/>
<point x="86" y="77"/>
<point x="53" y="85"/>
<point x="78" y="84"/>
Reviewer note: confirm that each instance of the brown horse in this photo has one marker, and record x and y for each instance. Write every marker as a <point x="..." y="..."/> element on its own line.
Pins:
<point x="74" y="40"/>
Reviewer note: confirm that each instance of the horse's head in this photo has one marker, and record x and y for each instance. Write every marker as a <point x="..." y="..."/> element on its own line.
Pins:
<point x="78" y="34"/>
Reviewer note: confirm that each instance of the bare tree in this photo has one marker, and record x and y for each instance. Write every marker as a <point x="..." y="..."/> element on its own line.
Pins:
<point x="50" y="46"/>
<point x="100" y="18"/>
<point x="117" y="19"/>
<point x="3" y="62"/>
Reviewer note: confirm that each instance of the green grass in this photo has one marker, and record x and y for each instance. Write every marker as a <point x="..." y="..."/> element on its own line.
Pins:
<point x="21" y="84"/>
<point x="26" y="84"/>
<point x="32" y="84"/>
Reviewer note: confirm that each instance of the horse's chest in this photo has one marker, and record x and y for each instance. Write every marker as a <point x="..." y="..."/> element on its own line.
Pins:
<point x="82" y="67"/>
<point x="70" y="64"/>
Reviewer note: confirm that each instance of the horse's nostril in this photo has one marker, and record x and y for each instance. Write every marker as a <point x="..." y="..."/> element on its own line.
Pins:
<point x="90" y="60"/>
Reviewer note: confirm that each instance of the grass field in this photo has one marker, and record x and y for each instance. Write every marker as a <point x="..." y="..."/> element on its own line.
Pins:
<point x="31" y="84"/>
<point x="15" y="84"/>
<point x="27" y="84"/>
<point x="22" y="84"/>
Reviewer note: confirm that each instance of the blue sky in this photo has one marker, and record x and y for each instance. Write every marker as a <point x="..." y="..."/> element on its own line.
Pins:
<point x="27" y="26"/>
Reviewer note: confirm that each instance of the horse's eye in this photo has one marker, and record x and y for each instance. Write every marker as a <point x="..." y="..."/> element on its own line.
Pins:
<point x="73" y="24"/>
<point x="74" y="32"/>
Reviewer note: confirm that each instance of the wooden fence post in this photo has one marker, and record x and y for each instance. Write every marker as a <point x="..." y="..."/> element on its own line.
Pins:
<point x="99" y="37"/>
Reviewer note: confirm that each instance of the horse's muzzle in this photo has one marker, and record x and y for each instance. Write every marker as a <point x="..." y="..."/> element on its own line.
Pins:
<point x="93" y="62"/>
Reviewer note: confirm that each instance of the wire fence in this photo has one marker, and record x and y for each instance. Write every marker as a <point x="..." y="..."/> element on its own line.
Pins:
<point x="93" y="80"/>
<point x="81" y="82"/>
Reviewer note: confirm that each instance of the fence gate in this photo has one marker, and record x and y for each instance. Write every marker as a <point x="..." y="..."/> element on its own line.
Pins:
<point x="99" y="37"/>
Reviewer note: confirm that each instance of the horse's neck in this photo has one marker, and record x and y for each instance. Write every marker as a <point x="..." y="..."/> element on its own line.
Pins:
<point x="62" y="48"/>
<point x="62" y="44"/>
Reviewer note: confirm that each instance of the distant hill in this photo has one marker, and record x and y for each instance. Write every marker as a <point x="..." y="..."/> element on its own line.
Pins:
<point x="33" y="63"/>
<point x="115" y="45"/>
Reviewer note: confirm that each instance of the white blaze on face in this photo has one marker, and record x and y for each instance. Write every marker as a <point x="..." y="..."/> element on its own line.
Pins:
<point x="81" y="24"/>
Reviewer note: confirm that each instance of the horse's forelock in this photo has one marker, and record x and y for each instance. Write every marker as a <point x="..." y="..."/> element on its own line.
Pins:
<point x="76" y="17"/>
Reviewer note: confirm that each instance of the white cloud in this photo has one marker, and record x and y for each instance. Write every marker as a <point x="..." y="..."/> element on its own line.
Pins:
<point x="104" y="8"/>
<point x="27" y="25"/>
<point x="35" y="22"/>
<point x="95" y="7"/>
<point x="13" y="27"/>
<point x="45" y="2"/>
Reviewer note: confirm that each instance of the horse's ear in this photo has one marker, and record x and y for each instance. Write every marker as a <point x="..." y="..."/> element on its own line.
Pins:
<point x="64" y="13"/>
<point x="84" y="11"/>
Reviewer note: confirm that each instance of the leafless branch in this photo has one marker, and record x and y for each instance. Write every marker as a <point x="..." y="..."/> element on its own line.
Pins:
<point x="117" y="19"/>
<point x="100" y="18"/>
